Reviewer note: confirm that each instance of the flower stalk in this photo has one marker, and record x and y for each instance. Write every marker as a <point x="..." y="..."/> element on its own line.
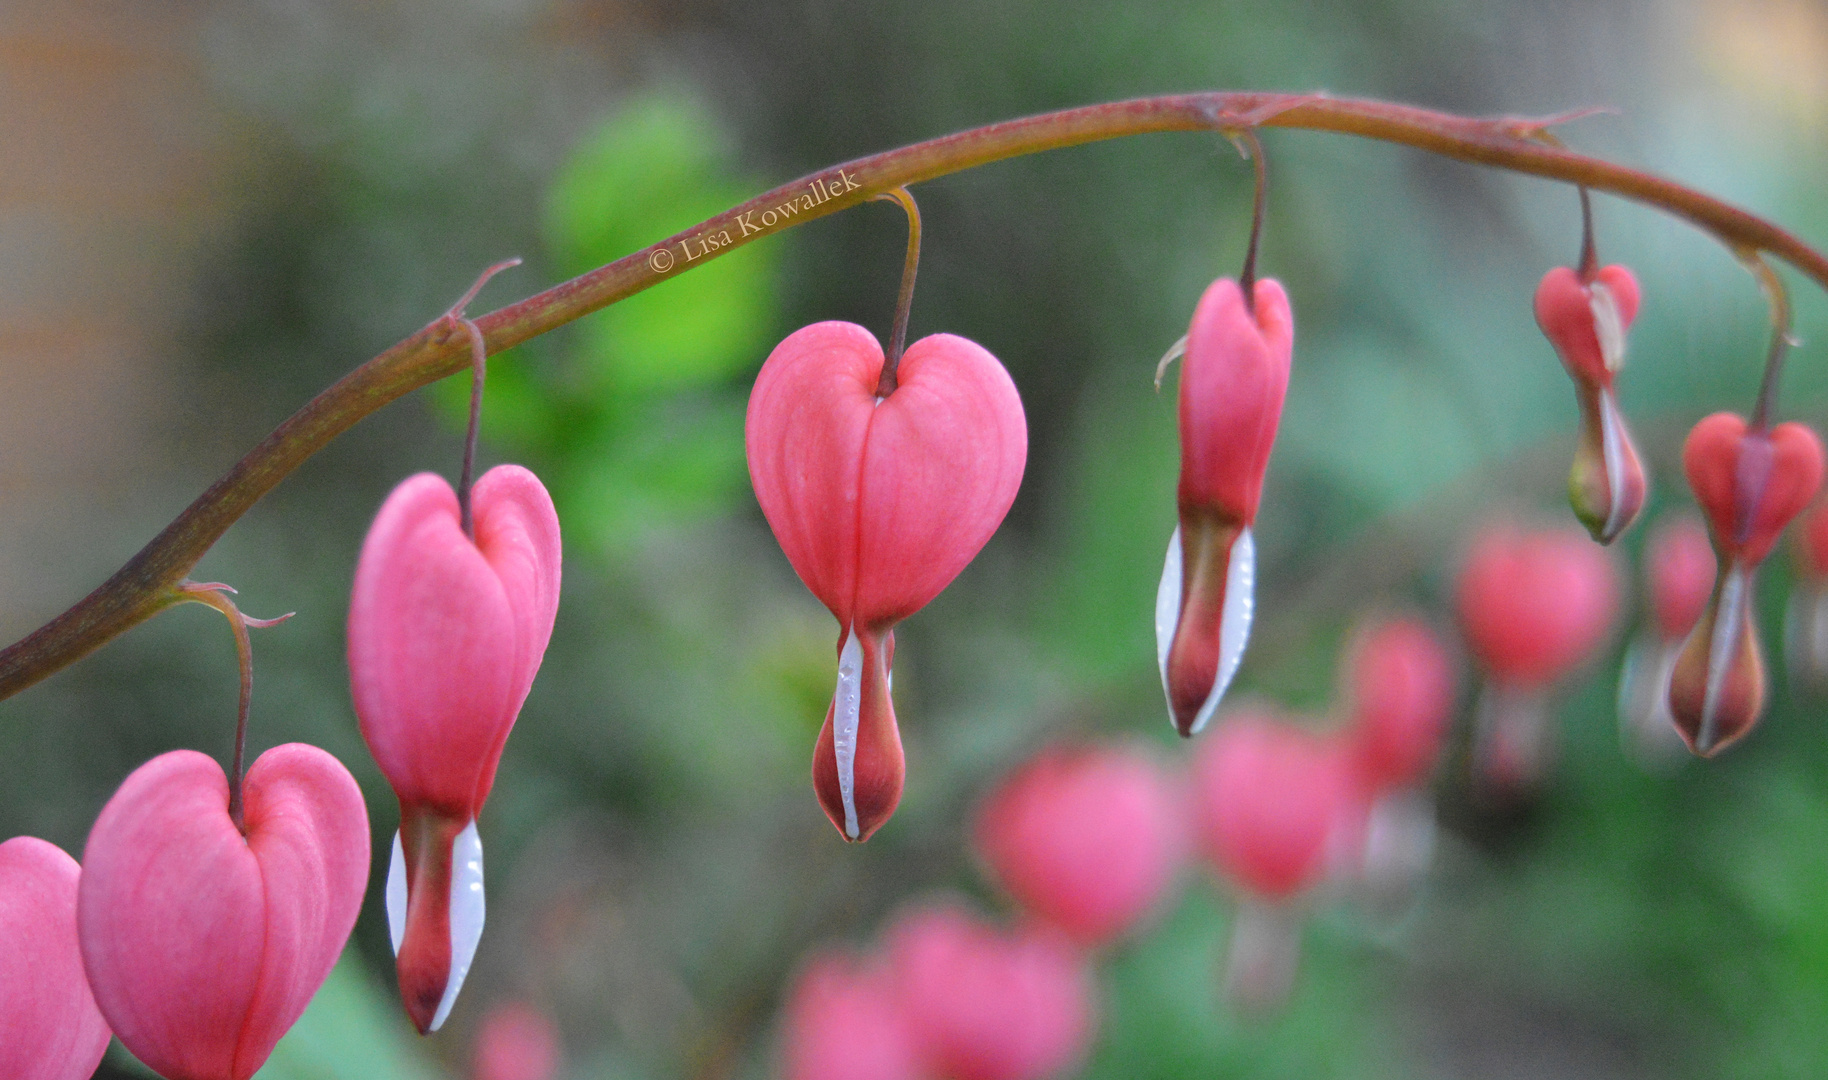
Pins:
<point x="145" y="584"/>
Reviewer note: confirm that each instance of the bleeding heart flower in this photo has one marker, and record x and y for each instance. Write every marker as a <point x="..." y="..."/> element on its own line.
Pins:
<point x="445" y="636"/>
<point x="988" y="1004"/>
<point x="1586" y="322"/>
<point x="1401" y="694"/>
<point x="1534" y="605"/>
<point x="204" y="942"/>
<point x="1679" y="573"/>
<point x="843" y="1021"/>
<point x="1277" y="808"/>
<point x="516" y="1042"/>
<point x="1087" y="839"/>
<point x="1750" y="484"/>
<point x="1234" y="376"/>
<point x="50" y="1028"/>
<point x="878" y="504"/>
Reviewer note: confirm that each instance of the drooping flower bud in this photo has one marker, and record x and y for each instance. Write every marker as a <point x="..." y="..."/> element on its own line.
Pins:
<point x="1234" y="375"/>
<point x="843" y="1021"/>
<point x="1087" y="839"/>
<point x="1400" y="689"/>
<point x="1586" y="321"/>
<point x="1533" y="606"/>
<point x="204" y="942"/>
<point x="878" y="503"/>
<point x="50" y="1028"/>
<point x="445" y="636"/>
<point x="1679" y="573"/>
<point x="1277" y="808"/>
<point x="1806" y="616"/>
<point x="1750" y="484"/>
<point x="986" y="1003"/>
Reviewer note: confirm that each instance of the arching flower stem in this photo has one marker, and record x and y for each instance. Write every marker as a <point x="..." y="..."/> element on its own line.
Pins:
<point x="904" y="301"/>
<point x="144" y="585"/>
<point x="215" y="594"/>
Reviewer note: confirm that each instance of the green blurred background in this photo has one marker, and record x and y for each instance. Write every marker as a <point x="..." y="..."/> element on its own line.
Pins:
<point x="210" y="211"/>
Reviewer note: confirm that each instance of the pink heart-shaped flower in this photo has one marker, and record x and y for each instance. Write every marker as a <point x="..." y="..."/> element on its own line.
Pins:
<point x="1535" y="604"/>
<point x="445" y="637"/>
<point x="1750" y="484"/>
<point x="1088" y="839"/>
<point x="204" y="943"/>
<point x="1401" y="689"/>
<point x="1586" y="322"/>
<point x="990" y="1004"/>
<point x="878" y="504"/>
<point x="1277" y="808"/>
<point x="843" y="1021"/>
<point x="50" y="1028"/>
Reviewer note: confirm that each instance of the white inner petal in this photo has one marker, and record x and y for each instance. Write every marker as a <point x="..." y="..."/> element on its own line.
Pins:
<point x="396" y="895"/>
<point x="1234" y="624"/>
<point x="1168" y="608"/>
<point x="847" y="704"/>
<point x="1612" y="448"/>
<point x="466" y="915"/>
<point x="1720" y="650"/>
<point x="1607" y="325"/>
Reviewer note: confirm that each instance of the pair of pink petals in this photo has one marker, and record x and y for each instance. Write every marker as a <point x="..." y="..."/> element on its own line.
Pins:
<point x="1535" y="604"/>
<point x="50" y="1028"/>
<point x="1750" y="484"/>
<point x="878" y="504"/>
<point x="445" y="637"/>
<point x="1400" y="684"/>
<point x="1586" y="321"/>
<point x="203" y="943"/>
<point x="1234" y="376"/>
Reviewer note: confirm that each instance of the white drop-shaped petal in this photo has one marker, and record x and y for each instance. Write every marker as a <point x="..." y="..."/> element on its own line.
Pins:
<point x="396" y="895"/>
<point x="467" y="911"/>
<point x="1234" y="622"/>
<point x="1168" y="606"/>
<point x="847" y="704"/>
<point x="1612" y="449"/>
<point x="1608" y="326"/>
<point x="1721" y="648"/>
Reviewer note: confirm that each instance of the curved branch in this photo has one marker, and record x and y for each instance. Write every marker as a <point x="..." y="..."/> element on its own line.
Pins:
<point x="146" y="583"/>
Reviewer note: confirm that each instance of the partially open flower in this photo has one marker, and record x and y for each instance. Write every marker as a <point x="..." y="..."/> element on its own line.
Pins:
<point x="1750" y="484"/>
<point x="1586" y="321"/>
<point x="1234" y="376"/>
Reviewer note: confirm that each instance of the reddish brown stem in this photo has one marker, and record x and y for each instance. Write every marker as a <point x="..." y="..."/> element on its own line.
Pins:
<point x="144" y="585"/>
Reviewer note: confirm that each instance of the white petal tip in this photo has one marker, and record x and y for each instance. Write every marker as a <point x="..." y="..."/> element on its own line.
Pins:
<point x="467" y="911"/>
<point x="396" y="895"/>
